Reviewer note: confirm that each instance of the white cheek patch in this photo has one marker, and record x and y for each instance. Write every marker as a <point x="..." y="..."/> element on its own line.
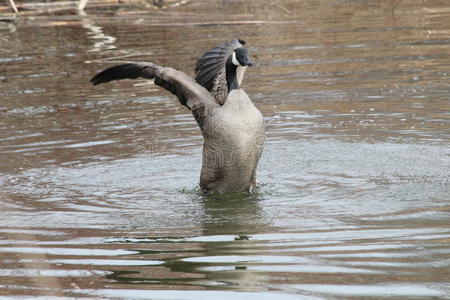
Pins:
<point x="234" y="60"/>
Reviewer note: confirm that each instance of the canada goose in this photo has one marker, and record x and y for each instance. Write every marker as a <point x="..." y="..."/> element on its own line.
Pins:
<point x="232" y="127"/>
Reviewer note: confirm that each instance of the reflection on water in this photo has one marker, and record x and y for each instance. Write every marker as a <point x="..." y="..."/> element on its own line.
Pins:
<point x="98" y="186"/>
<point x="103" y="42"/>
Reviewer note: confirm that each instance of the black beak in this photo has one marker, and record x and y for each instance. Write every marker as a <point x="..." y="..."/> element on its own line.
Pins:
<point x="248" y="63"/>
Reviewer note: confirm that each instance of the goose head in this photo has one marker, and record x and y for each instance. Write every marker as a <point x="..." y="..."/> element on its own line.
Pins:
<point x="235" y="67"/>
<point x="240" y="58"/>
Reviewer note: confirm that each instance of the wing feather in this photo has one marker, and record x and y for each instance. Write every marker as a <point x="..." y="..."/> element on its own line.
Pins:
<point x="211" y="67"/>
<point x="189" y="93"/>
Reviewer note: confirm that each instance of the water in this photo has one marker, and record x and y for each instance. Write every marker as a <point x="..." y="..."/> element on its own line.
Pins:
<point x="98" y="185"/>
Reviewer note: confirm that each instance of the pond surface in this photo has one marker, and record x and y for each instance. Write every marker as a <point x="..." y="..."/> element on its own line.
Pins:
<point x="98" y="185"/>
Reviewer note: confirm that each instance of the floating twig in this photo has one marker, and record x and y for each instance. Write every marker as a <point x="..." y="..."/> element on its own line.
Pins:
<point x="13" y="5"/>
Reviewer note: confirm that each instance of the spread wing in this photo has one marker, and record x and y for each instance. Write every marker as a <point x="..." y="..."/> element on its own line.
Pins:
<point x="189" y="93"/>
<point x="210" y="69"/>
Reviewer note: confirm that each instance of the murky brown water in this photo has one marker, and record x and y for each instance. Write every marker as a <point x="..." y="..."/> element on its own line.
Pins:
<point x="98" y="185"/>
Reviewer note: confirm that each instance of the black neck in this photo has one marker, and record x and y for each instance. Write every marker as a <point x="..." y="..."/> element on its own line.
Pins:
<point x="230" y="70"/>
